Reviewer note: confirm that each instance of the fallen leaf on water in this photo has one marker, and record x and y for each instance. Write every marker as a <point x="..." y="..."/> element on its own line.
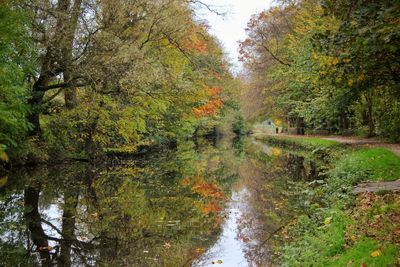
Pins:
<point x="49" y="248"/>
<point x="376" y="253"/>
<point x="199" y="250"/>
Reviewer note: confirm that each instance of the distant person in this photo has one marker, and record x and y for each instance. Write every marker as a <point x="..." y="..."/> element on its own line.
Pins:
<point x="277" y="130"/>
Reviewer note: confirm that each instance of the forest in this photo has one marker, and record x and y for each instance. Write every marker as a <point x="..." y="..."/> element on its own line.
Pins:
<point x="326" y="66"/>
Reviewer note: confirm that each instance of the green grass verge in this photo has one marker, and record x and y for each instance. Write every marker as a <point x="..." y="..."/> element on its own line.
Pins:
<point x="308" y="143"/>
<point x="376" y="163"/>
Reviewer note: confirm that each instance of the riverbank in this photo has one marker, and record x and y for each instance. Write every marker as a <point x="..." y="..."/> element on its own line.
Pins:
<point x="340" y="228"/>
<point x="326" y="140"/>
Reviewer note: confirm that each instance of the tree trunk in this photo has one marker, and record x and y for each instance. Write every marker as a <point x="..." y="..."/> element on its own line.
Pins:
<point x="68" y="225"/>
<point x="36" y="100"/>
<point x="70" y="93"/>
<point x="57" y="60"/>
<point x="371" y="124"/>
<point x="34" y="221"/>
<point x="70" y="96"/>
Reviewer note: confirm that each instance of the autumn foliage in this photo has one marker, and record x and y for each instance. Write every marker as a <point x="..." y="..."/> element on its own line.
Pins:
<point x="213" y="106"/>
<point x="208" y="190"/>
<point x="211" y="207"/>
<point x="195" y="40"/>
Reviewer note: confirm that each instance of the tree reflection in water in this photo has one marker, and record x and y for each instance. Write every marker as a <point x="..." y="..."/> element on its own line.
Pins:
<point x="274" y="180"/>
<point x="159" y="210"/>
<point x="169" y="208"/>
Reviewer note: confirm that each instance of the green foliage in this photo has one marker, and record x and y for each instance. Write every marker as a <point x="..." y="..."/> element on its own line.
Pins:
<point x="15" y="63"/>
<point x="317" y="241"/>
<point x="238" y="126"/>
<point x="329" y="67"/>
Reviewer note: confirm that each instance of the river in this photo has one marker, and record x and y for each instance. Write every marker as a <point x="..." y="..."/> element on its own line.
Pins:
<point x="202" y="204"/>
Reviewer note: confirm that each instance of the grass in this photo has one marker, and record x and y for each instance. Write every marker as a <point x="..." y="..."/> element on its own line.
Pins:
<point x="315" y="142"/>
<point x="360" y="254"/>
<point x="308" y="143"/>
<point x="380" y="164"/>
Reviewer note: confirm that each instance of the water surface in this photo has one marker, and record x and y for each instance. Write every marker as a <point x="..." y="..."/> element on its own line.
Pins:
<point x="202" y="204"/>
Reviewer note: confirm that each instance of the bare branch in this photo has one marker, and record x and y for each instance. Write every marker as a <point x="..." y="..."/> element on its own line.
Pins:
<point x="208" y="7"/>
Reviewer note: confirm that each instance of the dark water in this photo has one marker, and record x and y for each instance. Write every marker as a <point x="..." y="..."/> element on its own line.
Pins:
<point x="199" y="205"/>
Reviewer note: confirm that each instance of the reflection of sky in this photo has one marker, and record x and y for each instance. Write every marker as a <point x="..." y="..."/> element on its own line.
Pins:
<point x="52" y="214"/>
<point x="230" y="29"/>
<point x="228" y="248"/>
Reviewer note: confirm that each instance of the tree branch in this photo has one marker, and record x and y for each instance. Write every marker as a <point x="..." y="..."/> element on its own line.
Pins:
<point x="208" y="7"/>
<point x="61" y="85"/>
<point x="274" y="56"/>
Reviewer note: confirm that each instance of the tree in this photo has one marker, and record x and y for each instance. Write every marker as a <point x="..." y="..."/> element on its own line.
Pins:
<point x="324" y="70"/>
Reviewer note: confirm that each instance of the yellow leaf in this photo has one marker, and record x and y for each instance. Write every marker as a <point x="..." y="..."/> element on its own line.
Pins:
<point x="276" y="151"/>
<point x="328" y="220"/>
<point x="376" y="253"/>
<point x="219" y="261"/>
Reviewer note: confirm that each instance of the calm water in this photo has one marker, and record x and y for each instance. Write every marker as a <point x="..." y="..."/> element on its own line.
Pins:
<point x="199" y="205"/>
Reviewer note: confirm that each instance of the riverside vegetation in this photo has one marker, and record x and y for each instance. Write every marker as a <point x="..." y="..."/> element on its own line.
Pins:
<point x="339" y="228"/>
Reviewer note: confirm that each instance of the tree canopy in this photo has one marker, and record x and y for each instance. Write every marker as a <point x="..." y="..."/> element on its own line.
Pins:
<point x="329" y="65"/>
<point x="88" y="76"/>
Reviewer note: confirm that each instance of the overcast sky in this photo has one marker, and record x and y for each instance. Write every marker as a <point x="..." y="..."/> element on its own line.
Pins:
<point x="230" y="28"/>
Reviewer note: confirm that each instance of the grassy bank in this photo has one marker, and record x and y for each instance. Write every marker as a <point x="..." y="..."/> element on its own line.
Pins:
<point x="339" y="228"/>
<point x="307" y="143"/>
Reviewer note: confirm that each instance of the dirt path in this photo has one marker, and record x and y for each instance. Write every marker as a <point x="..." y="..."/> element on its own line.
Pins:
<point x="395" y="148"/>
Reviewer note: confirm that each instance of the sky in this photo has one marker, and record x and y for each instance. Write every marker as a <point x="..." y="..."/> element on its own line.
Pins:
<point x="230" y="28"/>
